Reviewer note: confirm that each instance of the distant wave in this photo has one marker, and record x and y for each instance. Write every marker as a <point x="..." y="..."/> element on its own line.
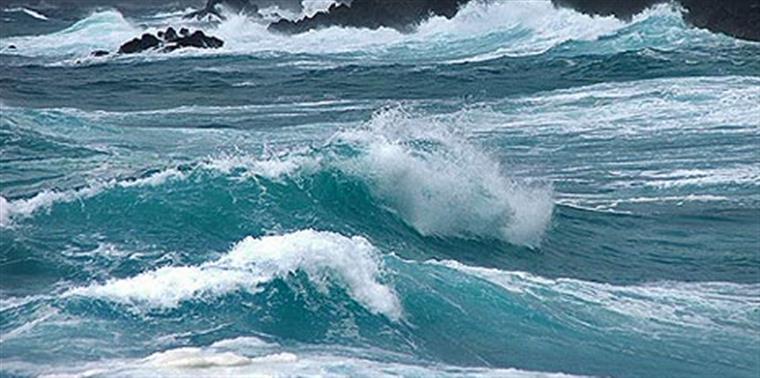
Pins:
<point x="26" y="207"/>
<point x="28" y="11"/>
<point x="101" y="30"/>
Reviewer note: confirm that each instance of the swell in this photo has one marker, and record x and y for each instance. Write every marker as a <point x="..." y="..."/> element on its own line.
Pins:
<point x="356" y="296"/>
<point x="402" y="173"/>
<point x="419" y="170"/>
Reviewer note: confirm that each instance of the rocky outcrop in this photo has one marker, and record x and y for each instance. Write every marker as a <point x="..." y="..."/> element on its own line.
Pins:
<point x="621" y="9"/>
<point x="401" y="15"/>
<point x="170" y="40"/>
<point x="212" y="9"/>
<point x="738" y="18"/>
<point x="146" y="42"/>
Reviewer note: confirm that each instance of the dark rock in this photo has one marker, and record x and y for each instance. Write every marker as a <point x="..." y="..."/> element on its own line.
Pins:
<point x="170" y="35"/>
<point x="148" y="41"/>
<point x="11" y="47"/>
<point x="624" y="10"/>
<point x="198" y="40"/>
<point x="211" y="9"/>
<point x="98" y="53"/>
<point x="401" y="15"/>
<point x="171" y="41"/>
<point x="738" y="18"/>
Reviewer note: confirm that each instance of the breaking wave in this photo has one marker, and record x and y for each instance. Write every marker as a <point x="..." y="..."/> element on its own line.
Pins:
<point x="352" y="262"/>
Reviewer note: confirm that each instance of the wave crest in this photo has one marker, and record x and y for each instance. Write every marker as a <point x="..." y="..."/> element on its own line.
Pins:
<point x="104" y="30"/>
<point x="442" y="185"/>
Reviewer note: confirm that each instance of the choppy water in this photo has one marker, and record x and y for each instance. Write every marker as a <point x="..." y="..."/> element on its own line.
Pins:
<point x="517" y="191"/>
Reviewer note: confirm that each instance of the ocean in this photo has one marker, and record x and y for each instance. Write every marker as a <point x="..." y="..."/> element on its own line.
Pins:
<point x="519" y="191"/>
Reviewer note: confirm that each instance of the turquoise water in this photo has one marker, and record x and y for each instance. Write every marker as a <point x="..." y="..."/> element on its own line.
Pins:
<point x="518" y="191"/>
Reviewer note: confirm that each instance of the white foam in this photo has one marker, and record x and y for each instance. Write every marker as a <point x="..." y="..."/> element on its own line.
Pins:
<point x="242" y="342"/>
<point x="353" y="262"/>
<point x="155" y="179"/>
<point x="272" y="168"/>
<point x="44" y="199"/>
<point x="286" y="364"/>
<point x="519" y="28"/>
<point x="631" y="109"/>
<point x="528" y="27"/>
<point x="718" y="305"/>
<point x="440" y="184"/>
<point x="737" y="175"/>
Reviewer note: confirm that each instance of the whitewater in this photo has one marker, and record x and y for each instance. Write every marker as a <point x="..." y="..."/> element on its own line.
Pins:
<point x="520" y="191"/>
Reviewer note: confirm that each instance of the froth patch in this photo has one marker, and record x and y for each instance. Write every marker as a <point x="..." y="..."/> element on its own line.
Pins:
<point x="351" y="262"/>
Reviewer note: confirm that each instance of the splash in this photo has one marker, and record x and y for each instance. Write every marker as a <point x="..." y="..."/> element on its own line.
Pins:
<point x="441" y="184"/>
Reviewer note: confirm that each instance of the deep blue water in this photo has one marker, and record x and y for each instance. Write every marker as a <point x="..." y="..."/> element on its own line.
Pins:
<point x="518" y="191"/>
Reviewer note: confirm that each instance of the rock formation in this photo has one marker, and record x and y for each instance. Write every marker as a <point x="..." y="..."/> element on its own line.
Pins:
<point x="170" y="40"/>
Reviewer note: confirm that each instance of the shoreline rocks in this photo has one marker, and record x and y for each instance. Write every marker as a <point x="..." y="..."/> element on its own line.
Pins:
<point x="169" y="40"/>
<point x="373" y="14"/>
